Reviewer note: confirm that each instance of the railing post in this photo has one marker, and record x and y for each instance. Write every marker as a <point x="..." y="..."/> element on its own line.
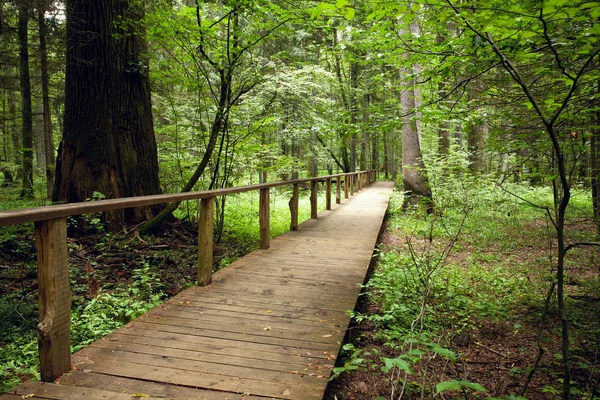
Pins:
<point x="54" y="297"/>
<point x="359" y="181"/>
<point x="205" y="241"/>
<point x="352" y="184"/>
<point x="294" y="207"/>
<point x="338" y="190"/>
<point x="313" y="199"/>
<point x="328" y="194"/>
<point x="264" y="217"/>
<point x="346" y="178"/>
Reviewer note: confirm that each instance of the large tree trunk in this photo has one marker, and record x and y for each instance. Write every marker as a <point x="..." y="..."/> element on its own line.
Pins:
<point x="26" y="113"/>
<point x="414" y="175"/>
<point x="48" y="142"/>
<point x="108" y="143"/>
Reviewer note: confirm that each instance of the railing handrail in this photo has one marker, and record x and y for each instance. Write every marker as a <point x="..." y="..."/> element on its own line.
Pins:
<point x="45" y="213"/>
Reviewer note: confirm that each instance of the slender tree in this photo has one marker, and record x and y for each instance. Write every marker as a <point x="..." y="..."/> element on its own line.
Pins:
<point x="26" y="112"/>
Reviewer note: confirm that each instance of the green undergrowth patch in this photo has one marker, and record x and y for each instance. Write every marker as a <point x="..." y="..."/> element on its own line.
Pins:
<point x="470" y="281"/>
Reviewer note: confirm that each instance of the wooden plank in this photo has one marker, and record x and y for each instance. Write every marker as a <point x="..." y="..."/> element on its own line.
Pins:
<point x="160" y="348"/>
<point x="313" y="200"/>
<point x="255" y="372"/>
<point x="153" y="389"/>
<point x="294" y="208"/>
<point x="233" y="384"/>
<point x="205" y="241"/>
<point x="54" y="297"/>
<point x="49" y="391"/>
<point x="264" y="218"/>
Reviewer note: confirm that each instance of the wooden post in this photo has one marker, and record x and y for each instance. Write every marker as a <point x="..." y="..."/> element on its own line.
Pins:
<point x="264" y="217"/>
<point x="328" y="194"/>
<point x="346" y="178"/>
<point x="313" y="199"/>
<point x="352" y="178"/>
<point x="338" y="190"/>
<point x="359" y="182"/>
<point x="294" y="208"/>
<point x="54" y="297"/>
<point x="205" y="241"/>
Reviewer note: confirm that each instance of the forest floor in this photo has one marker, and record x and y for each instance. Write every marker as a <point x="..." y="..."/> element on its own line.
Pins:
<point x="492" y="333"/>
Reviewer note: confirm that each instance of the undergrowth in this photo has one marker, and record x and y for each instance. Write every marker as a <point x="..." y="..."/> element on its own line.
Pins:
<point x="483" y="263"/>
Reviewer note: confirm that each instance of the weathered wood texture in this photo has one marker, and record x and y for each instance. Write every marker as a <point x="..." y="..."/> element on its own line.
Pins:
<point x="264" y="218"/>
<point x="205" y="241"/>
<point x="269" y="326"/>
<point x="54" y="298"/>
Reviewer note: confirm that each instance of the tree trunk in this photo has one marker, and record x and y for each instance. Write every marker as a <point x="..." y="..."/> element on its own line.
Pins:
<point x="595" y="168"/>
<point x="414" y="175"/>
<point x="26" y="113"/>
<point x="48" y="142"/>
<point x="108" y="144"/>
<point x="475" y="143"/>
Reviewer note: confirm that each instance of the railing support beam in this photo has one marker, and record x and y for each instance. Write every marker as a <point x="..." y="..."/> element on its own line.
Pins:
<point x="328" y="194"/>
<point x="205" y="241"/>
<point x="264" y="217"/>
<point x="54" y="296"/>
<point x="313" y="199"/>
<point x="294" y="207"/>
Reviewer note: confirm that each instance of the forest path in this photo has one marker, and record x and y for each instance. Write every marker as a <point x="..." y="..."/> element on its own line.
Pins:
<point x="269" y="326"/>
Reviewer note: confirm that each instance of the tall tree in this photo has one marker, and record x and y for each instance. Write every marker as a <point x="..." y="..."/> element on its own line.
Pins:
<point x="48" y="142"/>
<point x="108" y="144"/>
<point x="26" y="113"/>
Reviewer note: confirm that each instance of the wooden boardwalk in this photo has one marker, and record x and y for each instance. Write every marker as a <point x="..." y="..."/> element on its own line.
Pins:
<point x="269" y="326"/>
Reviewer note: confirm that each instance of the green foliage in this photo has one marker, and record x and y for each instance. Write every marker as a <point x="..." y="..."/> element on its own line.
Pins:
<point x="109" y="311"/>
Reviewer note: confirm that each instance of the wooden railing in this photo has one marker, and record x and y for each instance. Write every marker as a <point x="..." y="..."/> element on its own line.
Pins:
<point x="52" y="257"/>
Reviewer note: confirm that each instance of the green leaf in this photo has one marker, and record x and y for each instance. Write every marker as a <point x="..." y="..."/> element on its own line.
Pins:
<point x="398" y="362"/>
<point x="350" y="14"/>
<point x="444" y="352"/>
<point x="448" y="385"/>
<point x="458" y="385"/>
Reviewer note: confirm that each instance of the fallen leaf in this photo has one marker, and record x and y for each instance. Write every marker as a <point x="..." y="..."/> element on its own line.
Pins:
<point x="326" y="336"/>
<point x="267" y="328"/>
<point x="286" y="392"/>
<point x="269" y="311"/>
<point x="27" y="396"/>
<point x="139" y="395"/>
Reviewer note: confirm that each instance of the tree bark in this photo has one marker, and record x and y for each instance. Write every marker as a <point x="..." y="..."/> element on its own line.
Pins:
<point x="595" y="168"/>
<point x="48" y="142"/>
<point x="414" y="175"/>
<point x="108" y="144"/>
<point x="26" y="113"/>
<point x="475" y="143"/>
